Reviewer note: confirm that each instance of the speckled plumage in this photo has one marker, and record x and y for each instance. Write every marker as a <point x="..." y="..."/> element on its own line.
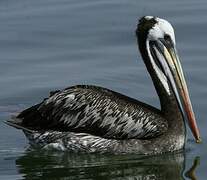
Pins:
<point x="97" y="111"/>
<point x="95" y="119"/>
<point x="65" y="125"/>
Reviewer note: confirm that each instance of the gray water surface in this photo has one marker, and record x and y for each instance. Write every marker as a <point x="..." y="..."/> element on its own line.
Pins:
<point x="52" y="44"/>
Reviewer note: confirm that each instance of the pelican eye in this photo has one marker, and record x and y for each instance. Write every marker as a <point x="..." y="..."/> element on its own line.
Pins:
<point x="168" y="41"/>
<point x="167" y="37"/>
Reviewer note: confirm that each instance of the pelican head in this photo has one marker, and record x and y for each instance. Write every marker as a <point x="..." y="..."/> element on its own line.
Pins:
<point x="156" y="36"/>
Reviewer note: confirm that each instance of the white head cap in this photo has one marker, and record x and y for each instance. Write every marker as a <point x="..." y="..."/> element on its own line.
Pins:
<point x="160" y="29"/>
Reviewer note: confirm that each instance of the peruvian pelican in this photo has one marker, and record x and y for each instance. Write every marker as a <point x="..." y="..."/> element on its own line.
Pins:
<point x="95" y="119"/>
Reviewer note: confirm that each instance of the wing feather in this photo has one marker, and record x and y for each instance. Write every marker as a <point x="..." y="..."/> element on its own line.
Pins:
<point x="97" y="111"/>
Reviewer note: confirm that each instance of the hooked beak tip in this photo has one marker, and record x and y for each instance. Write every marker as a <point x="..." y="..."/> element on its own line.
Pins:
<point x="199" y="140"/>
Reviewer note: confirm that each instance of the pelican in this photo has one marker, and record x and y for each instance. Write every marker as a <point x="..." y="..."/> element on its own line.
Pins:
<point x="85" y="118"/>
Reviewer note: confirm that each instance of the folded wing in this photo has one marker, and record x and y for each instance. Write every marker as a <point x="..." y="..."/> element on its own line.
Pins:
<point x="94" y="110"/>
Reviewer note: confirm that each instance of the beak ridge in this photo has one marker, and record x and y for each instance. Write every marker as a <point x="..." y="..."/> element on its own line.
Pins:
<point x="173" y="71"/>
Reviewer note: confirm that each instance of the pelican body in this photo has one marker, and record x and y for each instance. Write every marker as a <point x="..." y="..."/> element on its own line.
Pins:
<point x="95" y="119"/>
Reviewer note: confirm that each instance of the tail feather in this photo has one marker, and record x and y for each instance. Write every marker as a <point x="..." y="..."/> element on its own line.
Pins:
<point x="32" y="118"/>
<point x="16" y="123"/>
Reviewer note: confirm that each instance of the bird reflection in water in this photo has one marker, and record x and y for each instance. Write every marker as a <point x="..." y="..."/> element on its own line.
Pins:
<point x="191" y="172"/>
<point x="59" y="166"/>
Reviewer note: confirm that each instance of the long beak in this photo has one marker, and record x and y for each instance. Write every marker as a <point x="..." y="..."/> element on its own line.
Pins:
<point x="173" y="70"/>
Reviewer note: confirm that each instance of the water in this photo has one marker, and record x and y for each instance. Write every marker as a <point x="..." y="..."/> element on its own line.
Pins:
<point x="52" y="44"/>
